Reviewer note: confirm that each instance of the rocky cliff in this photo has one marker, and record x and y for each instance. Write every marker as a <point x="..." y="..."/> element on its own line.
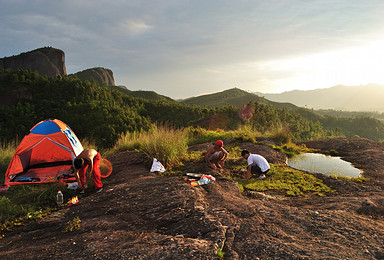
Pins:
<point x="46" y="61"/>
<point x="99" y="75"/>
<point x="51" y="62"/>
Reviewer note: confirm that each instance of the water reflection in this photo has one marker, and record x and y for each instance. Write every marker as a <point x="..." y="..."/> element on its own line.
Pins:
<point x="320" y="163"/>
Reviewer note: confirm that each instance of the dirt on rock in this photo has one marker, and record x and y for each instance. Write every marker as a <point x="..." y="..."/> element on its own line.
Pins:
<point x="142" y="215"/>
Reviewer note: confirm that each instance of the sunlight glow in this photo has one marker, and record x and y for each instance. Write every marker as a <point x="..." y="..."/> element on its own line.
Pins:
<point x="350" y="66"/>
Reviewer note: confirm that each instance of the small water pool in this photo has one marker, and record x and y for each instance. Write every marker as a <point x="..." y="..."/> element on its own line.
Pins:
<point x="320" y="163"/>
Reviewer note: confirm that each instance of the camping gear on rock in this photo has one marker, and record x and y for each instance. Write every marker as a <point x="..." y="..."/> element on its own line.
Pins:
<point x="73" y="201"/>
<point x="44" y="155"/>
<point x="204" y="179"/>
<point x="59" y="198"/>
<point x="196" y="175"/>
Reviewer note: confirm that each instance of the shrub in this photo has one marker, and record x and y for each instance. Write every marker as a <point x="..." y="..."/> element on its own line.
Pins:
<point x="128" y="141"/>
<point x="6" y="153"/>
<point x="291" y="149"/>
<point x="8" y="210"/>
<point x="202" y="135"/>
<point x="281" y="135"/>
<point x="164" y="143"/>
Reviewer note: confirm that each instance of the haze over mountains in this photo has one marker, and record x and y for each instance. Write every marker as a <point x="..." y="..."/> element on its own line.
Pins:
<point x="348" y="98"/>
<point x="368" y="98"/>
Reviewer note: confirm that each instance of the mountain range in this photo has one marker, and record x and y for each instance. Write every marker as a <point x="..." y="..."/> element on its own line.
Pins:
<point x="235" y="97"/>
<point x="368" y="97"/>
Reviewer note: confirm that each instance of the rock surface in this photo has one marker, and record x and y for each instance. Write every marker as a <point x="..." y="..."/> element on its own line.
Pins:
<point x="142" y="215"/>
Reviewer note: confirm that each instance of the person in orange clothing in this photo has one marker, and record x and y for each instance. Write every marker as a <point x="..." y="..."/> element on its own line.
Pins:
<point x="92" y="158"/>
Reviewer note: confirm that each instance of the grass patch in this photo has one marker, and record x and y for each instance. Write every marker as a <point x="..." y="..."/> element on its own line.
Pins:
<point x="290" y="181"/>
<point x="193" y="156"/>
<point x="18" y="221"/>
<point x="72" y="225"/>
<point x="127" y="141"/>
<point x="9" y="210"/>
<point x="6" y="153"/>
<point x="291" y="149"/>
<point x="234" y="160"/>
<point x="201" y="135"/>
<point x="29" y="201"/>
<point x="354" y="179"/>
<point x="164" y="143"/>
<point x="220" y="254"/>
<point x="281" y="135"/>
<point x="331" y="153"/>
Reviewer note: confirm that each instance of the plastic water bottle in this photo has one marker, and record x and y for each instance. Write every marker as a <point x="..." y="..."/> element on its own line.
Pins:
<point x="59" y="198"/>
<point x="203" y="181"/>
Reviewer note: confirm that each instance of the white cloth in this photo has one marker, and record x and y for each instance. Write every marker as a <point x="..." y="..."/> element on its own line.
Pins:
<point x="258" y="160"/>
<point x="157" y="166"/>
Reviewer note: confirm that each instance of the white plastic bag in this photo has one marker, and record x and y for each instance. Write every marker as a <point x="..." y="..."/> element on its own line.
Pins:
<point x="157" y="166"/>
<point x="73" y="186"/>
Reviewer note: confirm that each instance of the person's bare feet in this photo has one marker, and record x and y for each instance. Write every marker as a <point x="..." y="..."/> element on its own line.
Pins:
<point x="220" y="164"/>
<point x="212" y="166"/>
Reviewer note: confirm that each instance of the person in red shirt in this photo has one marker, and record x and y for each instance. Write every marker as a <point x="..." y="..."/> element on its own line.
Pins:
<point x="92" y="158"/>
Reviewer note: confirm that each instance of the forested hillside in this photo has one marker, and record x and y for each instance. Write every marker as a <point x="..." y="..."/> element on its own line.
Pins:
<point x="144" y="94"/>
<point x="235" y="97"/>
<point x="102" y="113"/>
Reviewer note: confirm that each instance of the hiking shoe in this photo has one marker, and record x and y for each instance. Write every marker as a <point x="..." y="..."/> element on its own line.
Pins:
<point x="99" y="190"/>
<point x="262" y="176"/>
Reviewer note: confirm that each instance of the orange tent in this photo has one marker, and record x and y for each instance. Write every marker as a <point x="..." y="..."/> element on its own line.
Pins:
<point x="44" y="155"/>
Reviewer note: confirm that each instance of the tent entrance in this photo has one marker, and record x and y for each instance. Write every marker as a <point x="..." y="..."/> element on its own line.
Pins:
<point x="45" y="172"/>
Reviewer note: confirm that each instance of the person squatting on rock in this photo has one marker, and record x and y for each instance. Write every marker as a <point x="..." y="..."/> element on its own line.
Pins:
<point x="255" y="164"/>
<point x="216" y="155"/>
<point x="92" y="158"/>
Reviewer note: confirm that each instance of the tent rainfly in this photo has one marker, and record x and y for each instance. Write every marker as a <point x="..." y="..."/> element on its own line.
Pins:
<point x="44" y="155"/>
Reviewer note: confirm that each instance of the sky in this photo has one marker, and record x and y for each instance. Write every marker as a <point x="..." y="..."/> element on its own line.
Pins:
<point x="186" y="48"/>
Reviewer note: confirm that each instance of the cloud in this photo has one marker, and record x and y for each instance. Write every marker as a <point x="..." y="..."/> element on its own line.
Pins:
<point x="133" y="27"/>
<point x="181" y="46"/>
